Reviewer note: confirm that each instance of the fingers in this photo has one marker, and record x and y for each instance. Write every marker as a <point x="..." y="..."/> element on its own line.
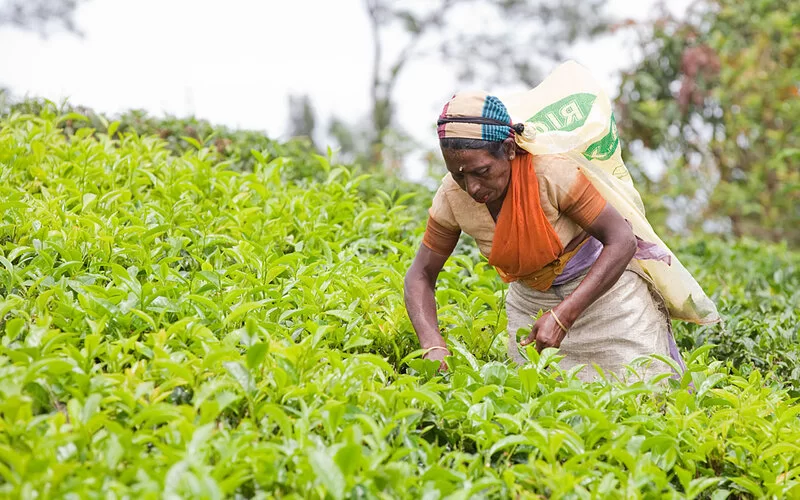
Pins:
<point x="529" y="339"/>
<point x="544" y="341"/>
<point x="442" y="365"/>
<point x="532" y="336"/>
<point x="545" y="333"/>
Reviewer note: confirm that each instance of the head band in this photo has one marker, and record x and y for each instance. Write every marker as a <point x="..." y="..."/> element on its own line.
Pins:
<point x="476" y="115"/>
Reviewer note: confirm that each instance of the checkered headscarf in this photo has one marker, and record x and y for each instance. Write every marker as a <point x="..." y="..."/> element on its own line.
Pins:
<point x="476" y="115"/>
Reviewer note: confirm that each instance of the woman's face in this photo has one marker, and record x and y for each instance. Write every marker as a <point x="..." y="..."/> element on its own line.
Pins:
<point x="482" y="175"/>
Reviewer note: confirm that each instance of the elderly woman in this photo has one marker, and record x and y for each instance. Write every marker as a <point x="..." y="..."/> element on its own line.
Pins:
<point x="550" y="234"/>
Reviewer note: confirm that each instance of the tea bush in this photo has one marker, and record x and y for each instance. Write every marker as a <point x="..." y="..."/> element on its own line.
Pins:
<point x="757" y="286"/>
<point x="174" y="327"/>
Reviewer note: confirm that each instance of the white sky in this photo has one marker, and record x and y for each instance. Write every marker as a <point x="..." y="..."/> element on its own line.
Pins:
<point x="235" y="62"/>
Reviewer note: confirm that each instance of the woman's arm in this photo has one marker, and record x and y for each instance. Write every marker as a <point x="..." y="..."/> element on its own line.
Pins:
<point x="619" y="246"/>
<point x="420" y="301"/>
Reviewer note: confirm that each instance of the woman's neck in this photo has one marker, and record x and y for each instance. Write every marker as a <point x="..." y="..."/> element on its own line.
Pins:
<point x="494" y="208"/>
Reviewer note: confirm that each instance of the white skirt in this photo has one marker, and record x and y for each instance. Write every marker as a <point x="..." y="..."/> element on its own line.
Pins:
<point x="627" y="322"/>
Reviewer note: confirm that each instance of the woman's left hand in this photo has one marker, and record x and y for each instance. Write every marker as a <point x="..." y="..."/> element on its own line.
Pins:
<point x="546" y="333"/>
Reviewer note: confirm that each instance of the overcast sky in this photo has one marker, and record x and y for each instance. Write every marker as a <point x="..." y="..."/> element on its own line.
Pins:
<point x="235" y="62"/>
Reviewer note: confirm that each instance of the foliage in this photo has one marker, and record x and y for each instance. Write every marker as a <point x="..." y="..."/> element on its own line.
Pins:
<point x="173" y="327"/>
<point x="759" y="297"/>
<point x="39" y="14"/>
<point x="718" y="95"/>
<point x="180" y="134"/>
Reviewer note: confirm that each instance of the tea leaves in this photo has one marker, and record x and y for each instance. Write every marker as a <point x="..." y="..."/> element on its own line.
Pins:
<point x="176" y="327"/>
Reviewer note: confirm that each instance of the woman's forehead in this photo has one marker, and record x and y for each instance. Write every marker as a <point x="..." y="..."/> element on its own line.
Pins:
<point x="458" y="159"/>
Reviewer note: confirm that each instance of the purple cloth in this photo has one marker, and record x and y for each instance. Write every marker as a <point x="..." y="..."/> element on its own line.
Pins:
<point x="674" y="353"/>
<point x="651" y="251"/>
<point x="580" y="262"/>
<point x="589" y="253"/>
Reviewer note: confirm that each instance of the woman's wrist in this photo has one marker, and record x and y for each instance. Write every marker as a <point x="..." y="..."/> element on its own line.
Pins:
<point x="434" y="347"/>
<point x="558" y="321"/>
<point x="432" y="341"/>
<point x="567" y="314"/>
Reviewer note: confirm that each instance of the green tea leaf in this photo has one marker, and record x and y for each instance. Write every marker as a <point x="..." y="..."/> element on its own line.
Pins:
<point x="241" y="375"/>
<point x="256" y="354"/>
<point x="328" y="473"/>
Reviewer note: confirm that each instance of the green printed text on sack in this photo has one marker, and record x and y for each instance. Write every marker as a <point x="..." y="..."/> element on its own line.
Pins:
<point x="565" y="115"/>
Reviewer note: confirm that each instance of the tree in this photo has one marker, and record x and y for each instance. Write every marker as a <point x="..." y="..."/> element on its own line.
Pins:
<point x="523" y="34"/>
<point x="717" y="95"/>
<point x="302" y="122"/>
<point x="39" y="15"/>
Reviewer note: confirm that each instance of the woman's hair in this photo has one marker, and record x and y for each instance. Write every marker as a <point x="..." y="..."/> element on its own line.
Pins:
<point x="495" y="148"/>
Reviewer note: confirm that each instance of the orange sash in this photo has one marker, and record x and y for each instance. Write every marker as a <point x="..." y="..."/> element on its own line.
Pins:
<point x="524" y="240"/>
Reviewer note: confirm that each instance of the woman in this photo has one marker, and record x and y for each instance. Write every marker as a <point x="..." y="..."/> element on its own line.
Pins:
<point x="550" y="234"/>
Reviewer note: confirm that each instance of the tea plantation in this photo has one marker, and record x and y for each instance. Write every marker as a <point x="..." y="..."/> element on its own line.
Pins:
<point x="178" y="324"/>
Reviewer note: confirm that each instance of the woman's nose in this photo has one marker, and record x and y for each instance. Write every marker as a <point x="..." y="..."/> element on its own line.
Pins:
<point x="473" y="186"/>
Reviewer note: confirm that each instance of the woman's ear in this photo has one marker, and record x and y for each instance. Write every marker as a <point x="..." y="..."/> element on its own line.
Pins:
<point x="510" y="148"/>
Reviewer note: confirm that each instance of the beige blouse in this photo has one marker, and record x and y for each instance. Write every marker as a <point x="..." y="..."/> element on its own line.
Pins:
<point x="569" y="201"/>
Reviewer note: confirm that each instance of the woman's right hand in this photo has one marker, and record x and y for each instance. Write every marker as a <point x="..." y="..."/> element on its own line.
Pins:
<point x="438" y="355"/>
